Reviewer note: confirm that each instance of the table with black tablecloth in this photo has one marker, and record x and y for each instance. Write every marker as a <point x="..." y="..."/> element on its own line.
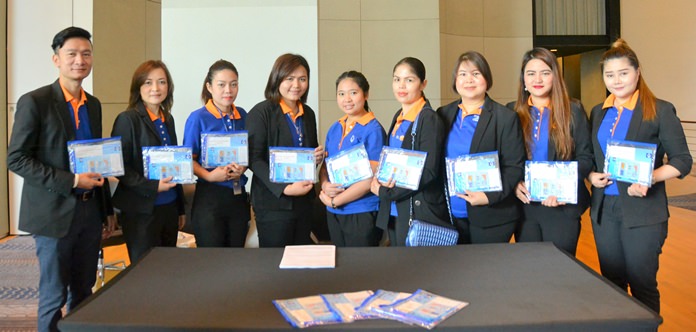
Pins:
<point x="527" y="286"/>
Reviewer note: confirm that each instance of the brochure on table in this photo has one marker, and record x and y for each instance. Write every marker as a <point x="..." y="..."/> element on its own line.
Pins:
<point x="224" y="148"/>
<point x="103" y="156"/>
<point x="403" y="166"/>
<point x="349" y="166"/>
<point x="630" y="162"/>
<point x="160" y="162"/>
<point x="288" y="164"/>
<point x="552" y="178"/>
<point x="479" y="172"/>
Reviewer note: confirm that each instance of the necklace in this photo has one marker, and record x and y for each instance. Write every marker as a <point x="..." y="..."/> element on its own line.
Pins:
<point x="297" y="124"/>
<point x="222" y="119"/>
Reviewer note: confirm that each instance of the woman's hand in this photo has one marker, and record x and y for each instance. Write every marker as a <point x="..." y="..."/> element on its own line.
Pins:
<point x="331" y="189"/>
<point x="599" y="180"/>
<point x="165" y="184"/>
<point x="522" y="193"/>
<point x="234" y="171"/>
<point x="319" y="154"/>
<point x="637" y="190"/>
<point x="552" y="201"/>
<point x="299" y="188"/>
<point x="475" y="198"/>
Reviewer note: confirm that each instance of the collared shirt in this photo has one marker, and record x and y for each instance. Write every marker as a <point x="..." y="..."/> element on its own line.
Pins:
<point x="295" y="123"/>
<point x="158" y="119"/>
<point x="396" y="137"/>
<point x="78" y="113"/>
<point x="208" y="119"/>
<point x="341" y="137"/>
<point x="540" y="132"/>
<point x="615" y="126"/>
<point x="458" y="144"/>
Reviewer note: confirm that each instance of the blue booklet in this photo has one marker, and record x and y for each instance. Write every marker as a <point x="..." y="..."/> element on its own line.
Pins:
<point x="402" y="165"/>
<point x="629" y="161"/>
<point x="349" y="166"/>
<point x="307" y="311"/>
<point x="369" y="308"/>
<point x="103" y="156"/>
<point x="290" y="164"/>
<point x="224" y="148"/>
<point x="552" y="178"/>
<point x="160" y="162"/>
<point x="474" y="172"/>
<point x="423" y="309"/>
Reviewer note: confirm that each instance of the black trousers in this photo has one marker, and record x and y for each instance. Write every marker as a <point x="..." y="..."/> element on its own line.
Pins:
<point x="353" y="230"/>
<point x="629" y="256"/>
<point x="279" y="228"/>
<point x="219" y="217"/>
<point x="541" y="223"/>
<point x="142" y="232"/>
<point x="470" y="233"/>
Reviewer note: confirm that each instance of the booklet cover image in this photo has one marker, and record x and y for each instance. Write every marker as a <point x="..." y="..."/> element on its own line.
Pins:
<point x="474" y="172"/>
<point x="630" y="162"/>
<point x="160" y="162"/>
<point x="349" y="166"/>
<point x="288" y="165"/>
<point x="224" y="148"/>
<point x="103" y="156"/>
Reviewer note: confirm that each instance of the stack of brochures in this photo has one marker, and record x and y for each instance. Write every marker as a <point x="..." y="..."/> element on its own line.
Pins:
<point x="224" y="148"/>
<point x="473" y="172"/>
<point x="160" y="162"/>
<point x="349" y="166"/>
<point x="289" y="164"/>
<point x="421" y="308"/>
<point x="402" y="166"/>
<point x="102" y="155"/>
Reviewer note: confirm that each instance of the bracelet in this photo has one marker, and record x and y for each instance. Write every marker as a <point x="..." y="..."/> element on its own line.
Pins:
<point x="333" y="206"/>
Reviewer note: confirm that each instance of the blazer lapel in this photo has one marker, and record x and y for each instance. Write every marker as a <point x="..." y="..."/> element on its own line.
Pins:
<point x="482" y="126"/>
<point x="636" y="120"/>
<point x="60" y="106"/>
<point x="145" y="118"/>
<point x="94" y="114"/>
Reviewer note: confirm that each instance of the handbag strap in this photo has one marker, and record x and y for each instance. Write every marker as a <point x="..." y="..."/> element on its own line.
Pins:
<point x="413" y="147"/>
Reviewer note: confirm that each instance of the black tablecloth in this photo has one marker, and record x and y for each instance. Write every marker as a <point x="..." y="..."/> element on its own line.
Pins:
<point x="531" y="286"/>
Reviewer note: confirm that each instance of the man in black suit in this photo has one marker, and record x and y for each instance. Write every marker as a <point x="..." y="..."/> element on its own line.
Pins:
<point x="63" y="211"/>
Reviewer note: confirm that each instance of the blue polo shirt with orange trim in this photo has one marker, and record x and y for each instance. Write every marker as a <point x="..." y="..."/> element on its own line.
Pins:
<point x="615" y="126"/>
<point x="540" y="131"/>
<point x="169" y="196"/>
<point x="458" y="144"/>
<point x="344" y="136"/>
<point x="210" y="119"/>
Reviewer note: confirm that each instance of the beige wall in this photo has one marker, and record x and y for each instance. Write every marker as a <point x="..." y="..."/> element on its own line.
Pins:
<point x="126" y="33"/>
<point x="501" y="30"/>
<point x="370" y="36"/>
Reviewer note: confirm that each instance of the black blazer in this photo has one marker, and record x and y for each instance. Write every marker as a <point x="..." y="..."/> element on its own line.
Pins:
<point x="667" y="133"/>
<point x="429" y="200"/>
<point x="134" y="192"/>
<point x="267" y="127"/>
<point x="582" y="153"/>
<point x="38" y="153"/>
<point x="499" y="130"/>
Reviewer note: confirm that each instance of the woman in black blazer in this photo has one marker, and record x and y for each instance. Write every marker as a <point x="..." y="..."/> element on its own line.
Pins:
<point x="543" y="102"/>
<point x="152" y="211"/>
<point x="283" y="212"/>
<point x="629" y="220"/>
<point x="429" y="204"/>
<point x="475" y="124"/>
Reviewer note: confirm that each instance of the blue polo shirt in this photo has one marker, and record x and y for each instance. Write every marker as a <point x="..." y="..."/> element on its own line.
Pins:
<point x="401" y="129"/>
<point x="368" y="131"/>
<point x="458" y="144"/>
<point x="170" y="195"/>
<point x="540" y="132"/>
<point x="210" y="119"/>
<point x="615" y="126"/>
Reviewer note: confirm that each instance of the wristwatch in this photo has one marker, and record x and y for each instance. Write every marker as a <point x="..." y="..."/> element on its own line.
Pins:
<point x="333" y="206"/>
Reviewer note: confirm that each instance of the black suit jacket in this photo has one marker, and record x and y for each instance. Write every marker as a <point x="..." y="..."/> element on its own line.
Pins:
<point x="667" y="133"/>
<point x="499" y="130"/>
<point x="38" y="153"/>
<point x="267" y="127"/>
<point x="134" y="192"/>
<point x="429" y="200"/>
<point x="582" y="153"/>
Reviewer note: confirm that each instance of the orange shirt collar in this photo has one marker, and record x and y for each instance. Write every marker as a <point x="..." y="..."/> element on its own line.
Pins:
<point x="413" y="112"/>
<point x="212" y="109"/>
<point x="286" y="109"/>
<point x="154" y="116"/>
<point x="70" y="99"/>
<point x="630" y="104"/>
<point x="475" y="111"/>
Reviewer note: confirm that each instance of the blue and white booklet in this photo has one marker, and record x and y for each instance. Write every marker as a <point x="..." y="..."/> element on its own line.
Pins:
<point x="307" y="311"/>
<point x="160" y="162"/>
<point x="349" y="166"/>
<point x="345" y="304"/>
<point x="552" y="178"/>
<point x="629" y="161"/>
<point x="474" y="172"/>
<point x="402" y="165"/>
<point x="223" y="148"/>
<point x="103" y="156"/>
<point x="423" y="309"/>
<point x="366" y="310"/>
<point x="290" y="164"/>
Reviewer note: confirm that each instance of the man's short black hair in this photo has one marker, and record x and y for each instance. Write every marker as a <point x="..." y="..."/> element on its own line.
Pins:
<point x="67" y="33"/>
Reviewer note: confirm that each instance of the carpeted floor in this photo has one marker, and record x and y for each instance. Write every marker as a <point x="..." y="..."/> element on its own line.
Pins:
<point x="19" y="280"/>
<point x="683" y="201"/>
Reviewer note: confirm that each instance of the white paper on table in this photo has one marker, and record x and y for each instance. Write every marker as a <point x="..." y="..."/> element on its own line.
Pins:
<point x="309" y="257"/>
